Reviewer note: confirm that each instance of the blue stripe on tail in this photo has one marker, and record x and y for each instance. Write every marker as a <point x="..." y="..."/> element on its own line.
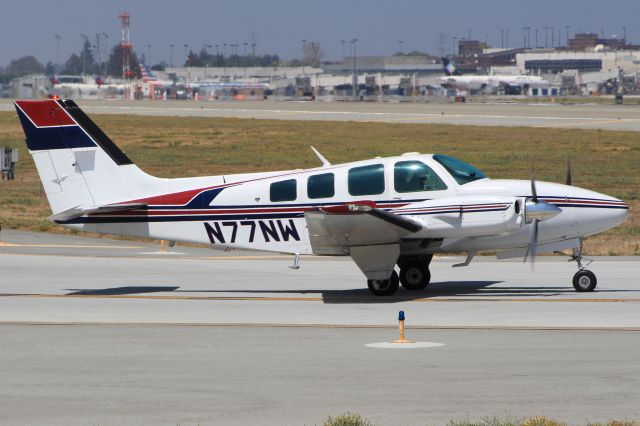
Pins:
<point x="46" y="138"/>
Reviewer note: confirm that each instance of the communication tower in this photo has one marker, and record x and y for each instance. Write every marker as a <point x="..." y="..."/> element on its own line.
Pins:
<point x="126" y="46"/>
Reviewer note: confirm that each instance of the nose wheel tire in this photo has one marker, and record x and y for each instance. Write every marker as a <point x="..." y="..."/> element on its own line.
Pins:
<point x="415" y="277"/>
<point x="584" y="280"/>
<point x="384" y="287"/>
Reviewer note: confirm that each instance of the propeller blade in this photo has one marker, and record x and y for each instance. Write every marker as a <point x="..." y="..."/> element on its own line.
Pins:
<point x="568" y="171"/>
<point x="533" y="243"/>
<point x="534" y="194"/>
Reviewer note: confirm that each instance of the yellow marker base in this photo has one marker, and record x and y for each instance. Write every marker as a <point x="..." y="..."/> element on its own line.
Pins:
<point x="403" y="341"/>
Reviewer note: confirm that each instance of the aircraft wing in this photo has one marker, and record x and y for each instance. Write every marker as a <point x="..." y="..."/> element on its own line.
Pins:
<point x="78" y="211"/>
<point x="333" y="234"/>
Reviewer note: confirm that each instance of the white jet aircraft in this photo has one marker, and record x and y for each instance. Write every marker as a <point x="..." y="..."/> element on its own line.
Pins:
<point x="488" y="83"/>
<point x="382" y="212"/>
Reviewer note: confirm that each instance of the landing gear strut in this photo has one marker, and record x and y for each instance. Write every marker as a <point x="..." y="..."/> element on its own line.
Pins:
<point x="384" y="287"/>
<point x="414" y="272"/>
<point x="583" y="280"/>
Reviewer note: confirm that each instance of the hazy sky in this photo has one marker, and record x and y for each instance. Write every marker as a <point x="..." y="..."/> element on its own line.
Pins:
<point x="27" y="26"/>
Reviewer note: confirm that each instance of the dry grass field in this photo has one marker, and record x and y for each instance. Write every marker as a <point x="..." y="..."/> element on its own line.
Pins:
<point x="604" y="161"/>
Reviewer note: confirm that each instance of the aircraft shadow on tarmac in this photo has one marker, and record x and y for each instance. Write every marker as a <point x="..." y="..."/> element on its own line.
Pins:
<point x="478" y="289"/>
<point x="119" y="291"/>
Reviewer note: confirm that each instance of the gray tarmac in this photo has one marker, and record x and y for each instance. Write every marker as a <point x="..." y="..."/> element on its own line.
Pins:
<point x="65" y="279"/>
<point x="90" y="374"/>
<point x="555" y="115"/>
<point x="100" y="331"/>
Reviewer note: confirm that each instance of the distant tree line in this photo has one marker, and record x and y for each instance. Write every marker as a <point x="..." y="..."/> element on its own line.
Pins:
<point x="85" y="62"/>
<point x="204" y="58"/>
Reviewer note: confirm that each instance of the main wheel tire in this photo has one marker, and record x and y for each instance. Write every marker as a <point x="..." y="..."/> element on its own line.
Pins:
<point x="584" y="280"/>
<point x="384" y="287"/>
<point x="415" y="277"/>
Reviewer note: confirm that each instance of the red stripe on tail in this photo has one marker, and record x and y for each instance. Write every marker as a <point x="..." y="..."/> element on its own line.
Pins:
<point x="45" y="113"/>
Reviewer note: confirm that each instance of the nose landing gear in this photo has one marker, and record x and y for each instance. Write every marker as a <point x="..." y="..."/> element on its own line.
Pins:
<point x="583" y="280"/>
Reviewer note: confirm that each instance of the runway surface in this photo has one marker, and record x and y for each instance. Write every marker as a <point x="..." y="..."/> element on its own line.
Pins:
<point x="48" y="278"/>
<point x="296" y="376"/>
<point x="585" y="116"/>
<point x="105" y="331"/>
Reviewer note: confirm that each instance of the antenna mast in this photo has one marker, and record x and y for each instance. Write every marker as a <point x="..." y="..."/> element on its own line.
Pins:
<point x="126" y="46"/>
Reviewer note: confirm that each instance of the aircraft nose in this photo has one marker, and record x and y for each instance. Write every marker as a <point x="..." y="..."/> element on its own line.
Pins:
<point x="602" y="212"/>
<point x="620" y="214"/>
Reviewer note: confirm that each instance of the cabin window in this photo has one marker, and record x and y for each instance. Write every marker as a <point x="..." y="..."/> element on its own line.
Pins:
<point x="283" y="191"/>
<point x="366" y="180"/>
<point x="321" y="186"/>
<point x="413" y="176"/>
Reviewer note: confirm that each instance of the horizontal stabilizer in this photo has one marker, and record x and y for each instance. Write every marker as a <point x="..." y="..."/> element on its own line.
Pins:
<point x="77" y="211"/>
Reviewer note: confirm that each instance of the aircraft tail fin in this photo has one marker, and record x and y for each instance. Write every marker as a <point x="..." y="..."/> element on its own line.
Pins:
<point x="448" y="67"/>
<point x="79" y="166"/>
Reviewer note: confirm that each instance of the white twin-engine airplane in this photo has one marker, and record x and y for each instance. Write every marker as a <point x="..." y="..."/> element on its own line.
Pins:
<point x="382" y="212"/>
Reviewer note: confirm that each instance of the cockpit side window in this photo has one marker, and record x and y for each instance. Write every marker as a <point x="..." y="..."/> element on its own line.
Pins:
<point x="461" y="171"/>
<point x="413" y="176"/>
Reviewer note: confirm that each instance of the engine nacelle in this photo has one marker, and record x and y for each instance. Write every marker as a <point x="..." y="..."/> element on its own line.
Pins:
<point x="466" y="216"/>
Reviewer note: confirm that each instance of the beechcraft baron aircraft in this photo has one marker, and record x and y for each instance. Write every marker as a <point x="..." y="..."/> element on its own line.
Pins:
<point x="382" y="212"/>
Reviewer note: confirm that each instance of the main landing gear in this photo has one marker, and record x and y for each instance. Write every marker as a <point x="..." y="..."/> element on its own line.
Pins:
<point x="384" y="287"/>
<point x="583" y="280"/>
<point x="414" y="275"/>
<point x="414" y="272"/>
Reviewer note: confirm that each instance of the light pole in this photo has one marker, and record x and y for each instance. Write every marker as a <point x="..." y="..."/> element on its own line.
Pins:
<point x="567" y="28"/>
<point x="453" y="45"/>
<point x="84" y="54"/>
<point x="507" y="39"/>
<point x="304" y="43"/>
<point x="245" y="48"/>
<point x="208" y="46"/>
<point x="342" y="42"/>
<point x="536" y="46"/>
<point x="106" y="46"/>
<point x="355" y="69"/>
<point x="149" y="57"/>
<point x="501" y="38"/>
<point x="546" y="36"/>
<point x="57" y="37"/>
<point x="400" y="45"/>
<point x="171" y="54"/>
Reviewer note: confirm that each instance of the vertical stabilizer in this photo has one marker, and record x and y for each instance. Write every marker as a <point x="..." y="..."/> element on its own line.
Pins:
<point x="78" y="164"/>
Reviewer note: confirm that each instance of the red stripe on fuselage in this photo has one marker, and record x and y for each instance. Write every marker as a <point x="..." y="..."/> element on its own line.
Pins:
<point x="45" y="113"/>
<point x="221" y="211"/>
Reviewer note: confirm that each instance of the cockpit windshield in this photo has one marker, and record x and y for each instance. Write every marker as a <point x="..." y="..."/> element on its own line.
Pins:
<point x="461" y="171"/>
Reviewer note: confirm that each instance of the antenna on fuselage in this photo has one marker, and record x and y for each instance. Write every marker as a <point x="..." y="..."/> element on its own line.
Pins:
<point x="325" y="162"/>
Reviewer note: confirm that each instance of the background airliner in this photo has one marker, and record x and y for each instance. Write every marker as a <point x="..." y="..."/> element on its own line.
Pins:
<point x="488" y="83"/>
<point x="383" y="212"/>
